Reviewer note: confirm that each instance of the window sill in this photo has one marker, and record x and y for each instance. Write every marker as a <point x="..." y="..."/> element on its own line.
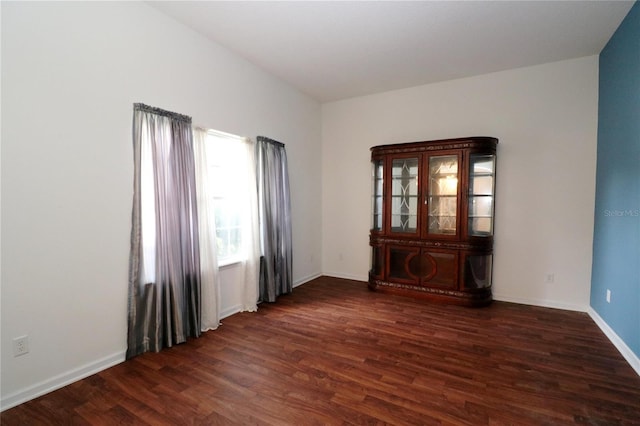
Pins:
<point x="228" y="263"/>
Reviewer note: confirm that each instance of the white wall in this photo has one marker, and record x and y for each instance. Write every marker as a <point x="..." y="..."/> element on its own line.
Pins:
<point x="545" y="117"/>
<point x="70" y="74"/>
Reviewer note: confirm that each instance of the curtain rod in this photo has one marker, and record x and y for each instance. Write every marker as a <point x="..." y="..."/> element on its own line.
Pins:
<point x="162" y="112"/>
<point x="266" y="139"/>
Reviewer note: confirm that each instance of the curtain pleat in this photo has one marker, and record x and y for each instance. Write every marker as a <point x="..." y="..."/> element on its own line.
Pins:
<point x="251" y="231"/>
<point x="164" y="267"/>
<point x="275" y="220"/>
<point x="207" y="226"/>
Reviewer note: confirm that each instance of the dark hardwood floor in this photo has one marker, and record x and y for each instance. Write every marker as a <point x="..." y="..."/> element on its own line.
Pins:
<point x="335" y="353"/>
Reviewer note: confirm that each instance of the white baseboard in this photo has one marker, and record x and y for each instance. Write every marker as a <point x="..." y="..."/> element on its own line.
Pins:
<point x="61" y="380"/>
<point x="306" y="279"/>
<point x="238" y="308"/>
<point x="363" y="278"/>
<point x="540" y="302"/>
<point x="87" y="370"/>
<point x="622" y="347"/>
<point x="230" y="311"/>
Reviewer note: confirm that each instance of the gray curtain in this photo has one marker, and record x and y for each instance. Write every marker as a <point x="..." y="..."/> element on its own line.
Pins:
<point x="164" y="270"/>
<point x="274" y="209"/>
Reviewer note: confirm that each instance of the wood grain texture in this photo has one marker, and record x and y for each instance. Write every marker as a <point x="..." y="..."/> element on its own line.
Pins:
<point x="334" y="352"/>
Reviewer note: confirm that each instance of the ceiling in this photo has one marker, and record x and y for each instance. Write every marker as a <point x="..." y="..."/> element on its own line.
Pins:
<point x="334" y="50"/>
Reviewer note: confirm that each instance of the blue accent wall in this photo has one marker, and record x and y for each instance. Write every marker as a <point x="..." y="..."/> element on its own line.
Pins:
<point x="616" y="239"/>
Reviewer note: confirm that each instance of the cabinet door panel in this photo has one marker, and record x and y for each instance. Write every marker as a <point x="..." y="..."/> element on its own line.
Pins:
<point x="405" y="195"/>
<point x="400" y="263"/>
<point x="377" y="194"/>
<point x="481" y="191"/>
<point x="443" y="185"/>
<point x="439" y="269"/>
<point x="423" y="267"/>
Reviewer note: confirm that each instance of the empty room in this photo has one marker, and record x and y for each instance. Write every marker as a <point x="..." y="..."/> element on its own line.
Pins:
<point x="331" y="212"/>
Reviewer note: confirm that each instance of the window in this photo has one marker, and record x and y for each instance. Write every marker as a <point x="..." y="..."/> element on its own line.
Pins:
<point x="228" y="163"/>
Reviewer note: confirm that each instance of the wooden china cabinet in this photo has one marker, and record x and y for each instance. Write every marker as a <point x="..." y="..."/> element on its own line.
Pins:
<point x="432" y="230"/>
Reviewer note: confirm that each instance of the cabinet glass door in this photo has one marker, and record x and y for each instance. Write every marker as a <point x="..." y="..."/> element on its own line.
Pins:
<point x="377" y="183"/>
<point x="443" y="194"/>
<point x="404" y="195"/>
<point x="481" y="189"/>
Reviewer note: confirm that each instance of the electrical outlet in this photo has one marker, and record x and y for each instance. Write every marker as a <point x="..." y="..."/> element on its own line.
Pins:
<point x="608" y="296"/>
<point x="20" y="345"/>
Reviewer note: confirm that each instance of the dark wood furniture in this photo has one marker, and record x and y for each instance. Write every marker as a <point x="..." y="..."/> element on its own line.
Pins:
<point x="432" y="229"/>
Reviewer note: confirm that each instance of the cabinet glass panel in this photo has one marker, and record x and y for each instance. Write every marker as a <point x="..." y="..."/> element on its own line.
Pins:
<point x="377" y="183"/>
<point x="404" y="195"/>
<point x="377" y="260"/>
<point x="481" y="189"/>
<point x="477" y="271"/>
<point x="443" y="194"/>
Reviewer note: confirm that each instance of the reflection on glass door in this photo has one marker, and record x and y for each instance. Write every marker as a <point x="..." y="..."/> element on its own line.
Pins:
<point x="377" y="193"/>
<point x="443" y="194"/>
<point x="481" y="188"/>
<point x="404" y="195"/>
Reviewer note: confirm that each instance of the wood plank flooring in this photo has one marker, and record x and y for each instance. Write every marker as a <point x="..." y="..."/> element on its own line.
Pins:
<point x="335" y="353"/>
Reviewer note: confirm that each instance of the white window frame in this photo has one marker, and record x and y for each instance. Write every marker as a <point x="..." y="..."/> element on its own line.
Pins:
<point x="225" y="157"/>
